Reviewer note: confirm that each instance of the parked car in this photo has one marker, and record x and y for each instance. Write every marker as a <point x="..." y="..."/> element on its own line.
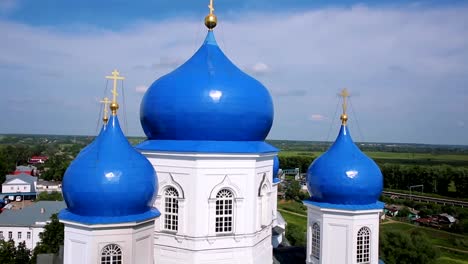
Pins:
<point x="19" y="198"/>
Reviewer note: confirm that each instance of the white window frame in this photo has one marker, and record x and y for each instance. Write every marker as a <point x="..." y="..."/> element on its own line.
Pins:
<point x="315" y="241"/>
<point x="171" y="209"/>
<point x="28" y="235"/>
<point x="111" y="254"/>
<point x="224" y="212"/>
<point x="363" y="246"/>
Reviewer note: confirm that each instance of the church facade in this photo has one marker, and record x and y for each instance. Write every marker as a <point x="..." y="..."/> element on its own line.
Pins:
<point x="203" y="187"/>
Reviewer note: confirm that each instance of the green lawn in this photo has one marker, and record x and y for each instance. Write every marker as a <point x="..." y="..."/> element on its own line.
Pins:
<point x="299" y="221"/>
<point x="292" y="206"/>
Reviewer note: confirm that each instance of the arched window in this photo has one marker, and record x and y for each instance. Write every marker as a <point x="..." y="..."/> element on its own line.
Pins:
<point x="315" y="241"/>
<point x="111" y="254"/>
<point x="224" y="211"/>
<point x="171" y="209"/>
<point x="363" y="245"/>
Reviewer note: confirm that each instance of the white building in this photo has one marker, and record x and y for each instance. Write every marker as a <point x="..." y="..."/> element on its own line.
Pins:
<point x="21" y="185"/>
<point x="26" y="224"/>
<point x="48" y="186"/>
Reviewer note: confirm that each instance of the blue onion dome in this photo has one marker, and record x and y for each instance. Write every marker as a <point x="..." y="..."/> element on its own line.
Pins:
<point x="109" y="179"/>
<point x="344" y="175"/>
<point x="208" y="98"/>
<point x="276" y="166"/>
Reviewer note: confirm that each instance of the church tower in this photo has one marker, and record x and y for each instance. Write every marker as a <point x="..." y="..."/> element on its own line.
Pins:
<point x="343" y="210"/>
<point x="206" y="123"/>
<point x="109" y="190"/>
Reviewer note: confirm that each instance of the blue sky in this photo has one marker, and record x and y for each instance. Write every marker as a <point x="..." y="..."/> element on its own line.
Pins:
<point x="405" y="62"/>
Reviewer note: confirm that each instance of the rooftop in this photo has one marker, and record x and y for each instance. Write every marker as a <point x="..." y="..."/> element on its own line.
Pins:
<point x="29" y="216"/>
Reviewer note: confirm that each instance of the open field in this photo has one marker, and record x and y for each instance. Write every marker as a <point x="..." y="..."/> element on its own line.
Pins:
<point x="398" y="157"/>
<point x="390" y="155"/>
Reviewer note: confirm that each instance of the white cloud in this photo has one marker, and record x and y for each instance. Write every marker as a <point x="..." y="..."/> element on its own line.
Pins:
<point x="259" y="68"/>
<point x="141" y="88"/>
<point x="317" y="117"/>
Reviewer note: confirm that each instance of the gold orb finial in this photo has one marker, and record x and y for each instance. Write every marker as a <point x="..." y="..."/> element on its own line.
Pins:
<point x="105" y="117"/>
<point x="114" y="105"/>
<point x="344" y="117"/>
<point x="211" y="20"/>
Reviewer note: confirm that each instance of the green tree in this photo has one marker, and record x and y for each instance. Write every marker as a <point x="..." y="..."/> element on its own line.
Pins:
<point x="293" y="190"/>
<point x="52" y="196"/>
<point x="7" y="252"/>
<point x="295" y="235"/>
<point x="402" y="248"/>
<point x="404" y="212"/>
<point x="23" y="254"/>
<point x="52" y="237"/>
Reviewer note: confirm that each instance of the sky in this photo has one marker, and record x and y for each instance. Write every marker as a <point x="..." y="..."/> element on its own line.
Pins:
<point x="405" y="63"/>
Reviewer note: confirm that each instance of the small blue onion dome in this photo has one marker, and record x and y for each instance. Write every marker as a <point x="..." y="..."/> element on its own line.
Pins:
<point x="207" y="98"/>
<point x="344" y="175"/>
<point x="276" y="166"/>
<point x="109" y="178"/>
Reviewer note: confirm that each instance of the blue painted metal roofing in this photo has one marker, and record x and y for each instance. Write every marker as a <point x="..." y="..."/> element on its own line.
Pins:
<point x="207" y="98"/>
<point x="109" y="179"/>
<point x="207" y="146"/>
<point x="349" y="207"/>
<point x="276" y="166"/>
<point x="344" y="175"/>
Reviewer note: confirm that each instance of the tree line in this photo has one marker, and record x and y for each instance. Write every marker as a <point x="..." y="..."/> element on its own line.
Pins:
<point x="443" y="180"/>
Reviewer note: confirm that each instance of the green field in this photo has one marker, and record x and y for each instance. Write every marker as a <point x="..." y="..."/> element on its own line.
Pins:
<point x="397" y="157"/>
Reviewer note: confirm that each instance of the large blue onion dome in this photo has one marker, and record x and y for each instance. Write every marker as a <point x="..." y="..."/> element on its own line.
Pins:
<point x="344" y="175"/>
<point x="276" y="166"/>
<point x="207" y="98"/>
<point x="109" y="181"/>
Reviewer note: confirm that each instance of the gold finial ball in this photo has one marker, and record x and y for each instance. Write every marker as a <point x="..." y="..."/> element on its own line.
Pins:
<point x="114" y="107"/>
<point x="211" y="21"/>
<point x="105" y="119"/>
<point x="344" y="118"/>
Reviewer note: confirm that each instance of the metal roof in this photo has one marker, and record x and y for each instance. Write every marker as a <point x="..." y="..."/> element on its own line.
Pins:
<point x="28" y="216"/>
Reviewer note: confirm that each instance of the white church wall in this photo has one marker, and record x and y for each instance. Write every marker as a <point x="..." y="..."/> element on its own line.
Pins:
<point x="202" y="176"/>
<point x="338" y="234"/>
<point x="85" y="243"/>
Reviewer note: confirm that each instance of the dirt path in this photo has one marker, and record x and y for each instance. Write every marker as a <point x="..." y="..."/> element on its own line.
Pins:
<point x="289" y="212"/>
<point x="389" y="221"/>
<point x="453" y="249"/>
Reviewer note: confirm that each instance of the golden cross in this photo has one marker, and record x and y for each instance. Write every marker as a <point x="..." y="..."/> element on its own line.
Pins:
<point x="106" y="102"/>
<point x="211" y="7"/>
<point x="115" y="76"/>
<point x="345" y="94"/>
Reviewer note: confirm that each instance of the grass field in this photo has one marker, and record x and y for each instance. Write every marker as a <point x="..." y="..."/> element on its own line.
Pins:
<point x="399" y="157"/>
<point x="292" y="206"/>
<point x="391" y="155"/>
